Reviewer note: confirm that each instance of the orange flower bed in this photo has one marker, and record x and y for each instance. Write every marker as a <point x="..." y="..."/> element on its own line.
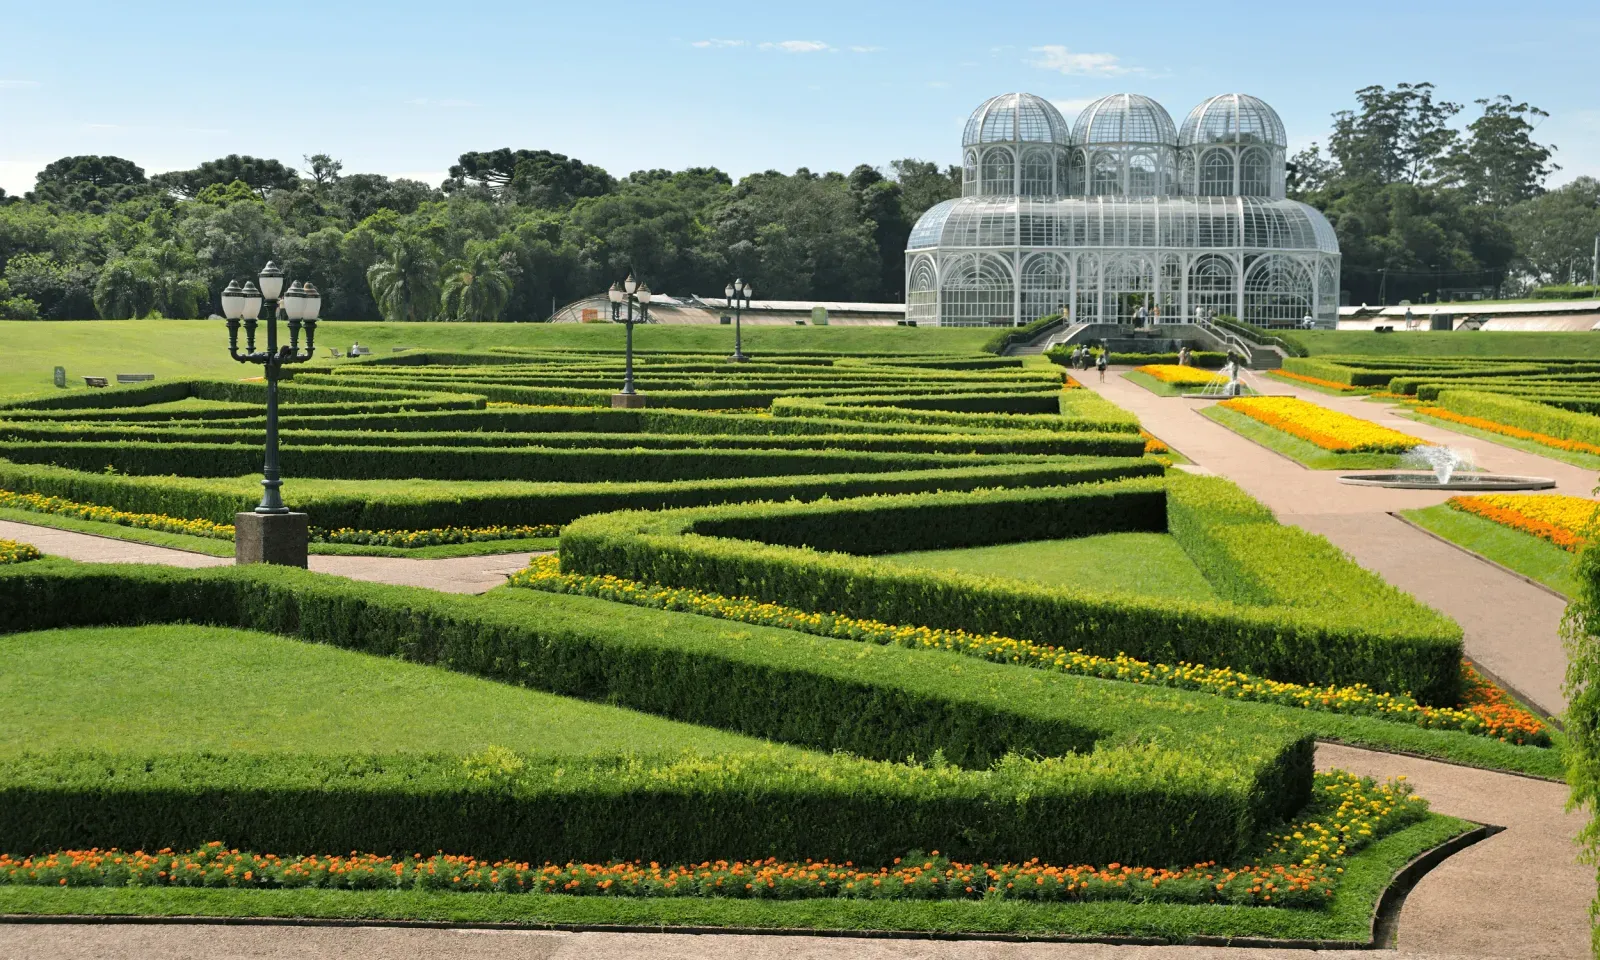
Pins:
<point x="1508" y="430"/>
<point x="1152" y="444"/>
<point x="1329" y="429"/>
<point x="1500" y="714"/>
<point x="1315" y="381"/>
<point x="1071" y="384"/>
<point x="1560" y="519"/>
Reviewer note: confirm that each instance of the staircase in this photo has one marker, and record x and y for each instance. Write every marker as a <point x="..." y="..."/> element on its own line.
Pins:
<point x="1045" y="341"/>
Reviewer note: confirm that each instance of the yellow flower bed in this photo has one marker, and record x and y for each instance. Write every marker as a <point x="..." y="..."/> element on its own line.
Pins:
<point x="1181" y="376"/>
<point x="544" y="573"/>
<point x="1328" y="429"/>
<point x="1564" y="521"/>
<point x="14" y="551"/>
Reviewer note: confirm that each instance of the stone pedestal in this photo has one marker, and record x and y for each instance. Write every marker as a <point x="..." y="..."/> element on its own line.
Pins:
<point x="271" y="538"/>
<point x="628" y="401"/>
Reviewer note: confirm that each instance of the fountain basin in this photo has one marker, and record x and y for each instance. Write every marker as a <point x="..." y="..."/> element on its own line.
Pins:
<point x="1418" y="480"/>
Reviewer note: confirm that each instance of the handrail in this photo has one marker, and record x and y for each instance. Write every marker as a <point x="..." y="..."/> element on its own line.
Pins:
<point x="1227" y="337"/>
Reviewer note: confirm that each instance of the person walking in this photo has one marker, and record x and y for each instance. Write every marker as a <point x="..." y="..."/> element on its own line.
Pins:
<point x="1155" y="315"/>
<point x="1140" y="315"/>
<point x="1100" y="363"/>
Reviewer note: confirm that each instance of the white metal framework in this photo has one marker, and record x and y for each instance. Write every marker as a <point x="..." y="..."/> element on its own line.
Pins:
<point x="1119" y="212"/>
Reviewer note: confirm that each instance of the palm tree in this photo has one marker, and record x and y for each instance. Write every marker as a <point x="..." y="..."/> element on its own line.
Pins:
<point x="406" y="285"/>
<point x="125" y="289"/>
<point x="477" y="288"/>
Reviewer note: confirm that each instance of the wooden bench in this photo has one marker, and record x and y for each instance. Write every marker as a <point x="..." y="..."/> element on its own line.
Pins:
<point x="95" y="381"/>
<point x="334" y="352"/>
<point x="134" y="377"/>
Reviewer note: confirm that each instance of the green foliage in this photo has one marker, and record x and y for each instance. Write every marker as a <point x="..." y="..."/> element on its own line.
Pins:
<point x="1290" y="344"/>
<point x="260" y="177"/>
<point x="406" y="283"/>
<point x="1204" y="359"/>
<point x="998" y="343"/>
<point x="1300" y="610"/>
<point x="1527" y="414"/>
<point x="1581" y="631"/>
<point x="1149" y="781"/>
<point x="89" y="184"/>
<point x="476" y="289"/>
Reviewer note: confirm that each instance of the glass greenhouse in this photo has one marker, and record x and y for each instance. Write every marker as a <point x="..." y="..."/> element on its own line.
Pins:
<point x="1120" y="210"/>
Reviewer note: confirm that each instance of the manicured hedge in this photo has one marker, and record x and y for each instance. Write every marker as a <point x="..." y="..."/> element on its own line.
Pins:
<point x="1204" y="359"/>
<point x="546" y="503"/>
<point x="1028" y="331"/>
<point x="1529" y="415"/>
<point x="533" y="464"/>
<point x="1163" y="784"/>
<point x="1291" y="618"/>
<point x="1076" y="413"/>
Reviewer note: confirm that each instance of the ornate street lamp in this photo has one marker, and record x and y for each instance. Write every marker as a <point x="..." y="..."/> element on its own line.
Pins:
<point x="271" y="533"/>
<point x="629" y="291"/>
<point x="738" y="297"/>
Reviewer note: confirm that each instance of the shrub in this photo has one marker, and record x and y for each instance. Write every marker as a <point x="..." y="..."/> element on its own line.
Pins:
<point x="1028" y="331"/>
<point x="1526" y="414"/>
<point x="1303" y="614"/>
<point x="1152" y="781"/>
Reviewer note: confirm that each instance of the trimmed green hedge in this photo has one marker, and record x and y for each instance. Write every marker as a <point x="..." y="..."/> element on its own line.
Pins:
<point x="1076" y="410"/>
<point x="1527" y="414"/>
<point x="999" y="342"/>
<point x="1302" y="612"/>
<point x="546" y="503"/>
<point x="1204" y="359"/>
<point x="1164" y="784"/>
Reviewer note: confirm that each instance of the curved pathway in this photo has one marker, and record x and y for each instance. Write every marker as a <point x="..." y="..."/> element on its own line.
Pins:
<point x="451" y="574"/>
<point x="1511" y="626"/>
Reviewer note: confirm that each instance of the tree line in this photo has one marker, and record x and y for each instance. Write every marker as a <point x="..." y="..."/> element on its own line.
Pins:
<point x="1421" y="207"/>
<point x="508" y="236"/>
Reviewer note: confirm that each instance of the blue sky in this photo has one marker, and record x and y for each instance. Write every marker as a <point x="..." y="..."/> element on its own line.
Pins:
<point x="401" y="88"/>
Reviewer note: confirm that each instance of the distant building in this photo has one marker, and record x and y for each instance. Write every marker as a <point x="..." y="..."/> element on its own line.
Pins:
<point x="670" y="309"/>
<point x="1120" y="210"/>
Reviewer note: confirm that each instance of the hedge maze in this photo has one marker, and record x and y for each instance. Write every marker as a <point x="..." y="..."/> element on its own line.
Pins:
<point x="904" y="711"/>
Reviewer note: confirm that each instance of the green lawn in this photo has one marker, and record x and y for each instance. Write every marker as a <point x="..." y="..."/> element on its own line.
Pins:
<point x="198" y="348"/>
<point x="187" y="688"/>
<point x="1145" y="563"/>
<point x="1528" y="555"/>
<point x="1303" y="452"/>
<point x="1461" y="343"/>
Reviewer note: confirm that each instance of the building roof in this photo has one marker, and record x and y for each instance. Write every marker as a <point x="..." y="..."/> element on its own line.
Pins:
<point x="1016" y="117"/>
<point x="1233" y="118"/>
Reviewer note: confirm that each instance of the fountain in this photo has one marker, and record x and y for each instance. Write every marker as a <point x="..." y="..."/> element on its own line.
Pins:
<point x="1233" y="386"/>
<point x="1446" y="468"/>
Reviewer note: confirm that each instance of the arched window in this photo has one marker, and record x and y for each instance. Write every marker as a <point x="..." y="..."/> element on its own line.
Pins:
<point x="1213" y="285"/>
<point x="1046" y="286"/>
<point x="1277" y="291"/>
<point x="1255" y="178"/>
<point x="1086" y="293"/>
<point x="922" y="291"/>
<point x="1328" y="291"/>
<point x="999" y="174"/>
<point x="1144" y="179"/>
<point x="1128" y="283"/>
<point x="1186" y="175"/>
<point x="1105" y="176"/>
<point x="969" y="175"/>
<point x="1036" y="173"/>
<point x="1064" y="174"/>
<point x="976" y="290"/>
<point x="1216" y="174"/>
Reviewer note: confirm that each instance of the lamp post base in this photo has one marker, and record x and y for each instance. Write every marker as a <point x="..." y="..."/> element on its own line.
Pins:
<point x="278" y="538"/>
<point x="739" y="358"/>
<point x="627" y="401"/>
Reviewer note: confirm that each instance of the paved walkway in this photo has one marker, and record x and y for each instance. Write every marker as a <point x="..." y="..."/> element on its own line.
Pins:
<point x="1511" y="626"/>
<point x="451" y="575"/>
<point x="1518" y="894"/>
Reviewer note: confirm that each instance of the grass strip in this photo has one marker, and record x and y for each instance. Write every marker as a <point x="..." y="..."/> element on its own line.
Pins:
<point x="1525" y="553"/>
<point x="1577" y="458"/>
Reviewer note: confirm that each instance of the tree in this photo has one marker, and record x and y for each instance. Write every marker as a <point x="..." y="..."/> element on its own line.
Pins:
<point x="799" y="237"/>
<point x="180" y="292"/>
<point x="14" y="307"/>
<point x="1500" y="164"/>
<point x="406" y="282"/>
<point x="89" y="183"/>
<point x="881" y="203"/>
<point x="261" y="175"/>
<point x="535" y="178"/>
<point x="1395" y="136"/>
<point x="923" y="184"/>
<point x="126" y="289"/>
<point x="477" y="288"/>
<point x="1555" y="231"/>
<point x="324" y="169"/>
<point x="60" y="291"/>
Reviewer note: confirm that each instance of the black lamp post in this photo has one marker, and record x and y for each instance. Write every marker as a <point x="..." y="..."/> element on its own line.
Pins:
<point x="260" y="536"/>
<point x="629" y="291"/>
<point x="738" y="296"/>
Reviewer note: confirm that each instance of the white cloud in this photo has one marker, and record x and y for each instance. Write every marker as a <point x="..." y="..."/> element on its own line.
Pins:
<point x="865" y="49"/>
<point x="17" y="84"/>
<point x="797" y="46"/>
<point x="1060" y="59"/>
<point x="714" y="42"/>
<point x="440" y="102"/>
<point x="431" y="177"/>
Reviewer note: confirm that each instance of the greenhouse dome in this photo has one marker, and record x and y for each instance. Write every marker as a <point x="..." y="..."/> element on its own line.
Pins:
<point x="1016" y="144"/>
<point x="1122" y="212"/>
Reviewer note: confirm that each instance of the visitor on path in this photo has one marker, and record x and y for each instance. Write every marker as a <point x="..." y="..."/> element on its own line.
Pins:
<point x="1140" y="316"/>
<point x="1184" y="359"/>
<point x="1100" y="363"/>
<point x="1155" y="315"/>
